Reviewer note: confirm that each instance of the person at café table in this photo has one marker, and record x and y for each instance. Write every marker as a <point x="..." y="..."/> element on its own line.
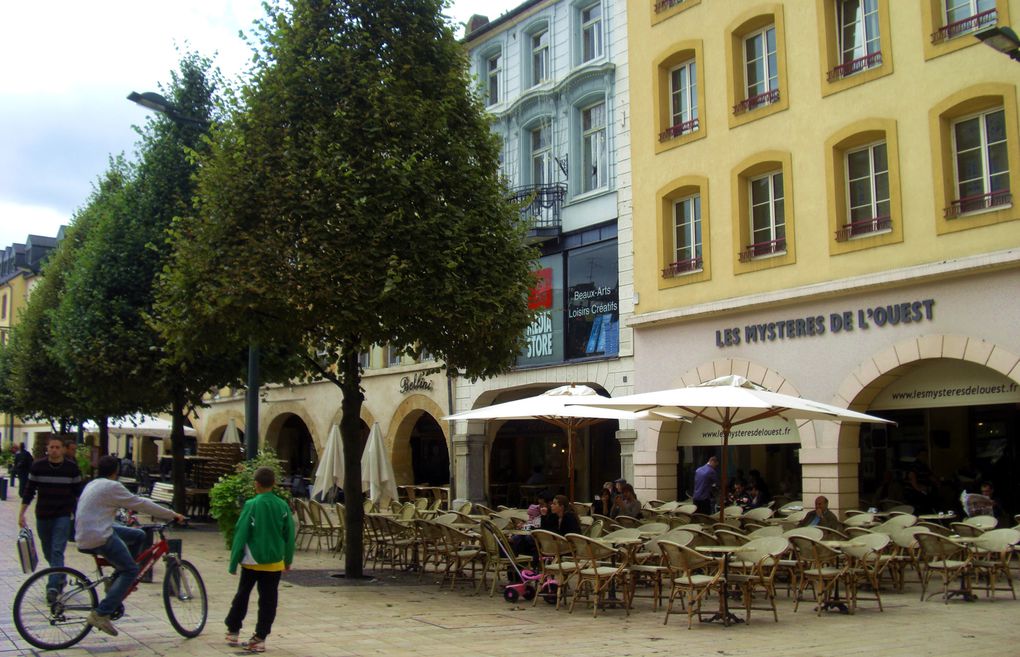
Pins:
<point x="821" y="516"/>
<point x="603" y="503"/>
<point x="997" y="511"/>
<point x="738" y="495"/>
<point x="627" y="503"/>
<point x="560" y="519"/>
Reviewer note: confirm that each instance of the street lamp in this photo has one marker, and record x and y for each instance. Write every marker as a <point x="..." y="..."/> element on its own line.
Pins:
<point x="157" y="103"/>
<point x="1002" y="39"/>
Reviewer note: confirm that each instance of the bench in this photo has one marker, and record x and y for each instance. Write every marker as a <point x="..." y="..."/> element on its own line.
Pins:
<point x="196" y="500"/>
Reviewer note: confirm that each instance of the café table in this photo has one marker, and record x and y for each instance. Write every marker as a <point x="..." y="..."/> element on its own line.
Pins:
<point x="727" y="551"/>
<point x="947" y="516"/>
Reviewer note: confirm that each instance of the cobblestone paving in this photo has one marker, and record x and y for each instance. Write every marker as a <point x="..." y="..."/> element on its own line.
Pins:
<point x="397" y="615"/>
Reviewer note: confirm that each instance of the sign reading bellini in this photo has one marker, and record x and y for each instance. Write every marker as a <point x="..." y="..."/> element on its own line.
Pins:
<point x="908" y="312"/>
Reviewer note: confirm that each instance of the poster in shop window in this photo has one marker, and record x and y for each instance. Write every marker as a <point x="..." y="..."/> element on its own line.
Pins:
<point x="592" y="302"/>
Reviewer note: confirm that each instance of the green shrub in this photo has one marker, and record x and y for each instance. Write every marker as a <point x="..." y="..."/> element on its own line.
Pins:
<point x="82" y="458"/>
<point x="229" y="494"/>
<point x="6" y="459"/>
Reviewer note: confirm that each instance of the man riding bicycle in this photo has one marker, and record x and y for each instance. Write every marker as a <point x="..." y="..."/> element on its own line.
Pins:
<point x="96" y="533"/>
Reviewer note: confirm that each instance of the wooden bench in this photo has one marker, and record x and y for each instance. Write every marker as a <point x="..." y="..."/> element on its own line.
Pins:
<point x="196" y="500"/>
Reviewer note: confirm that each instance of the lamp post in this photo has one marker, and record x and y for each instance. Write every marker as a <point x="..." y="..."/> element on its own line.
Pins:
<point x="1002" y="39"/>
<point x="157" y="103"/>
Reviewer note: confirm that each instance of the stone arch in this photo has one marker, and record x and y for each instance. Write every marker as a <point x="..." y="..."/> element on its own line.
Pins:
<point x="271" y="437"/>
<point x="215" y="425"/>
<point x="402" y="422"/>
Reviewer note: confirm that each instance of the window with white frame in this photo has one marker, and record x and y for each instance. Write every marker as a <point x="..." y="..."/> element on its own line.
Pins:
<point x="541" y="155"/>
<point x="761" y="69"/>
<point x="683" y="98"/>
<point x="492" y="73"/>
<point x="539" y="57"/>
<point x="365" y="359"/>
<point x="394" y="355"/>
<point x="687" y="234"/>
<point x="591" y="32"/>
<point x="594" y="147"/>
<point x="867" y="190"/>
<point x="981" y="161"/>
<point x="768" y="215"/>
<point x="960" y="11"/>
<point x="858" y="33"/>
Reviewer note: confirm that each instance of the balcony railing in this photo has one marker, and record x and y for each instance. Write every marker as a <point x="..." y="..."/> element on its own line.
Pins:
<point x="675" y="131"/>
<point x="762" y="249"/>
<point x="856" y="66"/>
<point x="679" y="267"/>
<point x="543" y="205"/>
<point x="969" y="24"/>
<point x="663" y="5"/>
<point x="863" y="227"/>
<point x="978" y="202"/>
<point x="754" y="102"/>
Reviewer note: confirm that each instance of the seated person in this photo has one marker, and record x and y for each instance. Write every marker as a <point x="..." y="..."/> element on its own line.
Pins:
<point x="560" y="519"/>
<point x="603" y="503"/>
<point x="627" y="503"/>
<point x="822" y="517"/>
<point x="739" y="496"/>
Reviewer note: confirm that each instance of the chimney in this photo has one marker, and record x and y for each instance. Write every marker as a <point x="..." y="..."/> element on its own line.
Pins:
<point x="476" y="21"/>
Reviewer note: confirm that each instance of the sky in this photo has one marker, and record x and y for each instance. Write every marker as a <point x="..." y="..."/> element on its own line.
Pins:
<point x="68" y="67"/>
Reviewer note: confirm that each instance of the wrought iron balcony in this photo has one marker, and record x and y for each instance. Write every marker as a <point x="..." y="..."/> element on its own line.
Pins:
<point x="680" y="267"/>
<point x="754" y="102"/>
<point x="663" y="5"/>
<point x="863" y="227"/>
<point x="856" y="66"/>
<point x="762" y="249"/>
<point x="978" y="202"/>
<point x="679" y="129"/>
<point x="541" y="208"/>
<point x="969" y="24"/>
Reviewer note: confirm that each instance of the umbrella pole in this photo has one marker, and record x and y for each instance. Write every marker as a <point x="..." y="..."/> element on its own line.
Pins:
<point x="722" y="467"/>
<point x="570" y="462"/>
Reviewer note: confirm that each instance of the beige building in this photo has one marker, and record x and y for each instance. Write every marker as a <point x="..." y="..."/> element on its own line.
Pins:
<point x="823" y="201"/>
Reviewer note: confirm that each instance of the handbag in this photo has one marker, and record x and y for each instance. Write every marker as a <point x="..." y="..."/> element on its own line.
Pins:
<point x="26" y="551"/>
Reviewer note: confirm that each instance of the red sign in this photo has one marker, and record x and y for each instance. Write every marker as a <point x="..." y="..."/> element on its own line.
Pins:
<point x="541" y="294"/>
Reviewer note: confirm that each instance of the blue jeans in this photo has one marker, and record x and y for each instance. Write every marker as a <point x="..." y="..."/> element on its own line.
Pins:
<point x="53" y="535"/>
<point x="120" y="550"/>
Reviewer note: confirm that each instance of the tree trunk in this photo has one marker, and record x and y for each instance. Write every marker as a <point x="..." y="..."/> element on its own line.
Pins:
<point x="177" y="450"/>
<point x="350" y="431"/>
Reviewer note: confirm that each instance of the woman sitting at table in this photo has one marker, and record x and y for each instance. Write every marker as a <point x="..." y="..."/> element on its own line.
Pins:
<point x="560" y="518"/>
<point x="627" y="503"/>
<point x="603" y="503"/>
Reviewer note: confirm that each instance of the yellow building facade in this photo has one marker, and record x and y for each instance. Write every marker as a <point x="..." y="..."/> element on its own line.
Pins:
<point x="824" y="202"/>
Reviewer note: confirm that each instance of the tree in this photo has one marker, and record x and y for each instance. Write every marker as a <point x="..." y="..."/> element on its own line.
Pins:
<point x="351" y="199"/>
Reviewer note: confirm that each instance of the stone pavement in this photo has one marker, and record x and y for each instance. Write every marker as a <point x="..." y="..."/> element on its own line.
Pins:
<point x="322" y="617"/>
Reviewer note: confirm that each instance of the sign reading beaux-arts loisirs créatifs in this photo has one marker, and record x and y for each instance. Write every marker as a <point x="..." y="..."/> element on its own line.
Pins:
<point x="843" y="322"/>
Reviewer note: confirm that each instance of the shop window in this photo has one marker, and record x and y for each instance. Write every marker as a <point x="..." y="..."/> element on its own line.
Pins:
<point x="590" y="18"/>
<point x="594" y="148"/>
<point x="854" y="42"/>
<point x="757" y="58"/>
<point x="863" y="174"/>
<point x="683" y="218"/>
<point x="974" y="133"/>
<point x="592" y="301"/>
<point x="679" y="76"/>
<point x="663" y="9"/>
<point x="951" y="24"/>
<point x="764" y="212"/>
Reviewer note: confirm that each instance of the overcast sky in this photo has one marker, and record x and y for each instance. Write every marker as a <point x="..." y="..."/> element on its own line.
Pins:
<point x="67" y="68"/>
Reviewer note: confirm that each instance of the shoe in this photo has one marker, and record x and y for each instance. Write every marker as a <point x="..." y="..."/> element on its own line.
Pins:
<point x="102" y="623"/>
<point x="255" y="644"/>
<point x="231" y="639"/>
<point x="51" y="596"/>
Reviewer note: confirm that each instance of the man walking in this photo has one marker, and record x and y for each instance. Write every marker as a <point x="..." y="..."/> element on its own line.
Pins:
<point x="264" y="547"/>
<point x="57" y="481"/>
<point x="22" y="464"/>
<point x="706" y="480"/>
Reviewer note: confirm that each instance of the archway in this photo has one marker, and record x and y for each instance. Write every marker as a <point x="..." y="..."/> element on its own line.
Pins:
<point x="289" y="436"/>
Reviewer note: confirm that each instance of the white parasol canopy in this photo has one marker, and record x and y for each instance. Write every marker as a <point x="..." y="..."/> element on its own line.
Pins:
<point x="730" y="401"/>
<point x="230" y="434"/>
<point x="330" y="472"/>
<point x="138" y="425"/>
<point x="377" y="470"/>
<point x="554" y="406"/>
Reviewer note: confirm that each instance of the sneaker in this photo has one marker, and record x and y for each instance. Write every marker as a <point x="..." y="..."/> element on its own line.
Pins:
<point x="101" y="623"/>
<point x="231" y="638"/>
<point x="255" y="644"/>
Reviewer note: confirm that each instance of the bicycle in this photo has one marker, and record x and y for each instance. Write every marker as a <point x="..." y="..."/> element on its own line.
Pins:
<point x="58" y="622"/>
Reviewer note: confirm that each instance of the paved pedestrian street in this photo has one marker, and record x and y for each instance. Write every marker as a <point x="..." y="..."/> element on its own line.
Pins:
<point x="321" y="616"/>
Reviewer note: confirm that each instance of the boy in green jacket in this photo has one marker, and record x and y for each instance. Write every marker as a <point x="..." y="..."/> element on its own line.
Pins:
<point x="264" y="546"/>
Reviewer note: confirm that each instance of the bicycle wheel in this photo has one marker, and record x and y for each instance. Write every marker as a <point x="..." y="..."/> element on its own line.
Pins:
<point x="58" y="622"/>
<point x="184" y="596"/>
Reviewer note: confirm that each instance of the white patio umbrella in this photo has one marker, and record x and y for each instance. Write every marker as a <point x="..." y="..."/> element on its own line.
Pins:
<point x="376" y="468"/>
<point x="330" y="472"/>
<point x="138" y="425"/>
<point x="554" y="406"/>
<point x="230" y="434"/>
<point x="730" y="401"/>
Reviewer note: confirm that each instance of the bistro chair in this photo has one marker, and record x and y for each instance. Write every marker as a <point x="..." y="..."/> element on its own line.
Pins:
<point x="819" y="566"/>
<point x="904" y="552"/>
<point x="497" y="555"/>
<point x="967" y="530"/>
<point x="459" y="551"/>
<point x="692" y="576"/>
<point x="730" y="537"/>
<point x="340" y="541"/>
<point x="769" y="530"/>
<point x="789" y="564"/>
<point x="627" y="521"/>
<point x="599" y="567"/>
<point x="866" y="565"/>
<point x="859" y="519"/>
<point x="934" y="527"/>
<point x="305" y="527"/>
<point x="594" y="530"/>
<point x="431" y="546"/>
<point x="992" y="554"/>
<point x="758" y="515"/>
<point x="407" y="512"/>
<point x="322" y="525"/>
<point x="895" y="523"/>
<point x="555" y="560"/>
<point x="754" y="568"/>
<point x="939" y="554"/>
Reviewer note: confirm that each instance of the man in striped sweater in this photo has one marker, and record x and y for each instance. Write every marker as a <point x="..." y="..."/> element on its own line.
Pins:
<point x="57" y="481"/>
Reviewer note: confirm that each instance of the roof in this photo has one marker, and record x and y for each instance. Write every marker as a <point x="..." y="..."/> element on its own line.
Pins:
<point x="505" y="18"/>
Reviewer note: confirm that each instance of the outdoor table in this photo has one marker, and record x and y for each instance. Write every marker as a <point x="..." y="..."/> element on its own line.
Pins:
<point x="948" y="516"/>
<point x="724" y="614"/>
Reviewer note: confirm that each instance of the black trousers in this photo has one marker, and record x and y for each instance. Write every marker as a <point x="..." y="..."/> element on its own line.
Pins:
<point x="269" y="584"/>
<point x="704" y="506"/>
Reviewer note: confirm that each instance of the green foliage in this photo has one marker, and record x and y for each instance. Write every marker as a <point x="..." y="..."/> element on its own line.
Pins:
<point x="229" y="494"/>
<point x="6" y="459"/>
<point x="83" y="458"/>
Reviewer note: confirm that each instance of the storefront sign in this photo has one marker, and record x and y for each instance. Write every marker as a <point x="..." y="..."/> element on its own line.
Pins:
<point x="592" y="301"/>
<point x="847" y="321"/>
<point x="774" y="431"/>
<point x="945" y="382"/>
<point x="418" y="382"/>
<point x="544" y="337"/>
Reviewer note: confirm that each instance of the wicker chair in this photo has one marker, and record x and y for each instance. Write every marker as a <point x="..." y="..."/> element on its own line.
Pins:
<point x="693" y="577"/>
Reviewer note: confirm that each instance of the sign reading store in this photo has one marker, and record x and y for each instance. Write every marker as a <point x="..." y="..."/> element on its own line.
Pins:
<point x="843" y="322"/>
